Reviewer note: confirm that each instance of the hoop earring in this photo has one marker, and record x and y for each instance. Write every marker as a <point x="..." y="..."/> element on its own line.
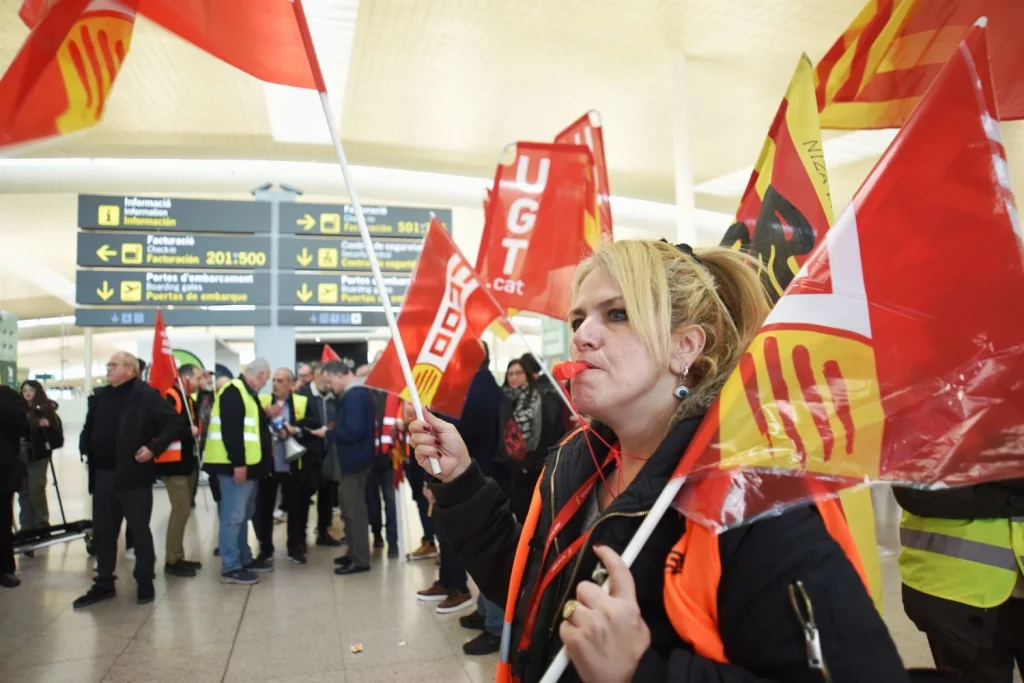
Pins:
<point x="682" y="391"/>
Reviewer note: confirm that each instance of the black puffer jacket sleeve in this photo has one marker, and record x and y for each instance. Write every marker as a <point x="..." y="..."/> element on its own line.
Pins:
<point x="995" y="500"/>
<point x="476" y="518"/>
<point x="763" y="637"/>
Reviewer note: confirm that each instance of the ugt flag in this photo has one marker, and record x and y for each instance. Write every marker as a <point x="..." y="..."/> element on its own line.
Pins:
<point x="444" y="314"/>
<point x="587" y="131"/>
<point x="892" y="356"/>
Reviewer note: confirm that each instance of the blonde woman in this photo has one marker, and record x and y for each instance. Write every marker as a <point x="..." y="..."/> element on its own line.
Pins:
<point x="659" y="328"/>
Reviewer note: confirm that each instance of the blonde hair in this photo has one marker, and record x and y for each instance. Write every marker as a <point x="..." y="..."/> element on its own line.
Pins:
<point x="665" y="288"/>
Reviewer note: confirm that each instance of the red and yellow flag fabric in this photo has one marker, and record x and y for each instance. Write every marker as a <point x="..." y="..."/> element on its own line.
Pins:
<point x="445" y="312"/>
<point x="786" y="207"/>
<point x="587" y="131"/>
<point x="540" y="223"/>
<point x="877" y="71"/>
<point x="61" y="78"/>
<point x="892" y="355"/>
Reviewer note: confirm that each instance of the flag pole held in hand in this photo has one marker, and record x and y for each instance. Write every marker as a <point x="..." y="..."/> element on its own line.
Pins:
<point x="364" y="232"/>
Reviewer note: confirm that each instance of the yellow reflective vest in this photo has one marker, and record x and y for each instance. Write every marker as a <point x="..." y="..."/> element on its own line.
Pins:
<point x="215" y="453"/>
<point x="976" y="562"/>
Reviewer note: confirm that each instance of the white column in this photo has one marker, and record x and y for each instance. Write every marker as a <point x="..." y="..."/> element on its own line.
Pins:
<point x="686" y="230"/>
<point x="87" y="362"/>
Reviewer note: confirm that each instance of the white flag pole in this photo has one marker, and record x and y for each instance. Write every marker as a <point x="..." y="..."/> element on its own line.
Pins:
<point x="364" y="232"/>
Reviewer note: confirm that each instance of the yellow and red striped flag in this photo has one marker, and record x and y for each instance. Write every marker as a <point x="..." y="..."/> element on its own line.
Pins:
<point x="786" y="208"/>
<point x="59" y="81"/>
<point x="877" y="71"/>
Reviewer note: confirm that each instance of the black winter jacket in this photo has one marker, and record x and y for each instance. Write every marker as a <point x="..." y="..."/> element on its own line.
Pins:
<point x="13" y="426"/>
<point x="148" y="420"/>
<point x="43" y="438"/>
<point x="762" y="636"/>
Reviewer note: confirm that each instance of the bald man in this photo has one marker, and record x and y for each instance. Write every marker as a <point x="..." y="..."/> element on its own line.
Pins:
<point x="126" y="428"/>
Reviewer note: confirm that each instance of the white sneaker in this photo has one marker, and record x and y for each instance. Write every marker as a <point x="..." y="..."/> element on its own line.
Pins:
<point x="129" y="553"/>
<point x="279" y="516"/>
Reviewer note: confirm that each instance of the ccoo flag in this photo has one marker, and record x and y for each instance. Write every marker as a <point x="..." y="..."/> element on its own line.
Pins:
<point x="444" y="313"/>
<point x="163" y="372"/>
<point x="882" y="362"/>
<point x="540" y="223"/>
<point x="877" y="71"/>
<point x="61" y="78"/>
<point x="786" y="208"/>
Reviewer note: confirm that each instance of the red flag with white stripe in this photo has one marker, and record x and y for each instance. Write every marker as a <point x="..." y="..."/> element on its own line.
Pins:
<point x="163" y="371"/>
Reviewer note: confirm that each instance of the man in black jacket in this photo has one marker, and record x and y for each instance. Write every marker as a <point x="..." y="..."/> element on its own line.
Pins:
<point x="127" y="426"/>
<point x="177" y="468"/>
<point x="13" y="426"/>
<point x="324" y="480"/>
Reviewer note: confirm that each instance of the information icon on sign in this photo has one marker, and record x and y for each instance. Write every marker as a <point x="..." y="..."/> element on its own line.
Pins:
<point x="109" y="214"/>
<point x="327" y="257"/>
<point x="330" y="223"/>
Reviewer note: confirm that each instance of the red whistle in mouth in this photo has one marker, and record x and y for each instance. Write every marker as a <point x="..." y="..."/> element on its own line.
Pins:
<point x="566" y="370"/>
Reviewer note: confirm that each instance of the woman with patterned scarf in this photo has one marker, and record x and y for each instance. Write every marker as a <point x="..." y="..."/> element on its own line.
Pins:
<point x="519" y="387"/>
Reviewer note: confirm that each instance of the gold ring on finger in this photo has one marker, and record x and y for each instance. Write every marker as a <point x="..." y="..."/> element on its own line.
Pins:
<point x="569" y="610"/>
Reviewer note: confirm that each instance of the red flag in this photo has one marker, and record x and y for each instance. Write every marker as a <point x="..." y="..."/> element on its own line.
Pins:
<point x="445" y="311"/>
<point x="261" y="38"/>
<point x="787" y="207"/>
<point x="892" y="356"/>
<point x="877" y="71"/>
<point x="328" y="355"/>
<point x="540" y="224"/>
<point x="587" y="131"/>
<point x="59" y="81"/>
<point x="163" y="370"/>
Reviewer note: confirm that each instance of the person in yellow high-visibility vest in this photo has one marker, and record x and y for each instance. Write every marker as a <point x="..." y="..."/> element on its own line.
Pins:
<point x="962" y="566"/>
<point x="238" y="452"/>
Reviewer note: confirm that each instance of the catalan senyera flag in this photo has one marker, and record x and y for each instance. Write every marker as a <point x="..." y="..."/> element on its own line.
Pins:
<point x="587" y="131"/>
<point x="540" y="223"/>
<point x="877" y="71"/>
<point x="163" y="370"/>
<point x="892" y="356"/>
<point x="61" y="78"/>
<point x="786" y="208"/>
<point x="445" y="311"/>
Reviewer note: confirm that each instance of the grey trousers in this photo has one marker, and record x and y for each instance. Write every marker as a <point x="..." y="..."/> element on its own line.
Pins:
<point x="35" y="514"/>
<point x="356" y="516"/>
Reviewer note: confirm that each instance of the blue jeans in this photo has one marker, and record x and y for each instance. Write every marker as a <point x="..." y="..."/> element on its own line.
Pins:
<point x="493" y="614"/>
<point x="384" y="483"/>
<point x="237" y="507"/>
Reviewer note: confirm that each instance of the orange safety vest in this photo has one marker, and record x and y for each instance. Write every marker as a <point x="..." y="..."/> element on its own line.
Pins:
<point x="691" y="590"/>
<point x="173" y="452"/>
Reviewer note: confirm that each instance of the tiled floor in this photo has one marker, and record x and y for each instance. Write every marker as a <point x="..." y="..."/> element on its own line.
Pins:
<point x="299" y="624"/>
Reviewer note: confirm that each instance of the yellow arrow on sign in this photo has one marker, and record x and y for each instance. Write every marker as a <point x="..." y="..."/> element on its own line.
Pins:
<point x="304" y="258"/>
<point x="106" y="292"/>
<point x="304" y="294"/>
<point x="105" y="252"/>
<point x="307" y="222"/>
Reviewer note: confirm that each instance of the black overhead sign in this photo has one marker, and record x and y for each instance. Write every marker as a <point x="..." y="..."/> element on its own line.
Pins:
<point x="308" y="289"/>
<point x="162" y="287"/>
<point x="340" y="219"/>
<point x="348" y="254"/>
<point x="182" y="317"/>
<point x="291" y="317"/>
<point x="171" y="214"/>
<point x="161" y="250"/>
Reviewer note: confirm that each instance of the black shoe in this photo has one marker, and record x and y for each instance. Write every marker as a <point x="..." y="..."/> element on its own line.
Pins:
<point x="9" y="581"/>
<point x="216" y="551"/>
<point x="392" y="551"/>
<point x="297" y="558"/>
<point x="259" y="566"/>
<point x="96" y="594"/>
<point x="378" y="542"/>
<point x="29" y="553"/>
<point x="189" y="563"/>
<point x="182" y="569"/>
<point x="351" y="569"/>
<point x="474" y="621"/>
<point x="342" y="561"/>
<point x="328" y="541"/>
<point x="484" y="644"/>
<point x="146" y="593"/>
<point x="304" y="549"/>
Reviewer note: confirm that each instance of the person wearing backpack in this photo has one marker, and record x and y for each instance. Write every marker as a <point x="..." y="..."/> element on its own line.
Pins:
<point x="46" y="434"/>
